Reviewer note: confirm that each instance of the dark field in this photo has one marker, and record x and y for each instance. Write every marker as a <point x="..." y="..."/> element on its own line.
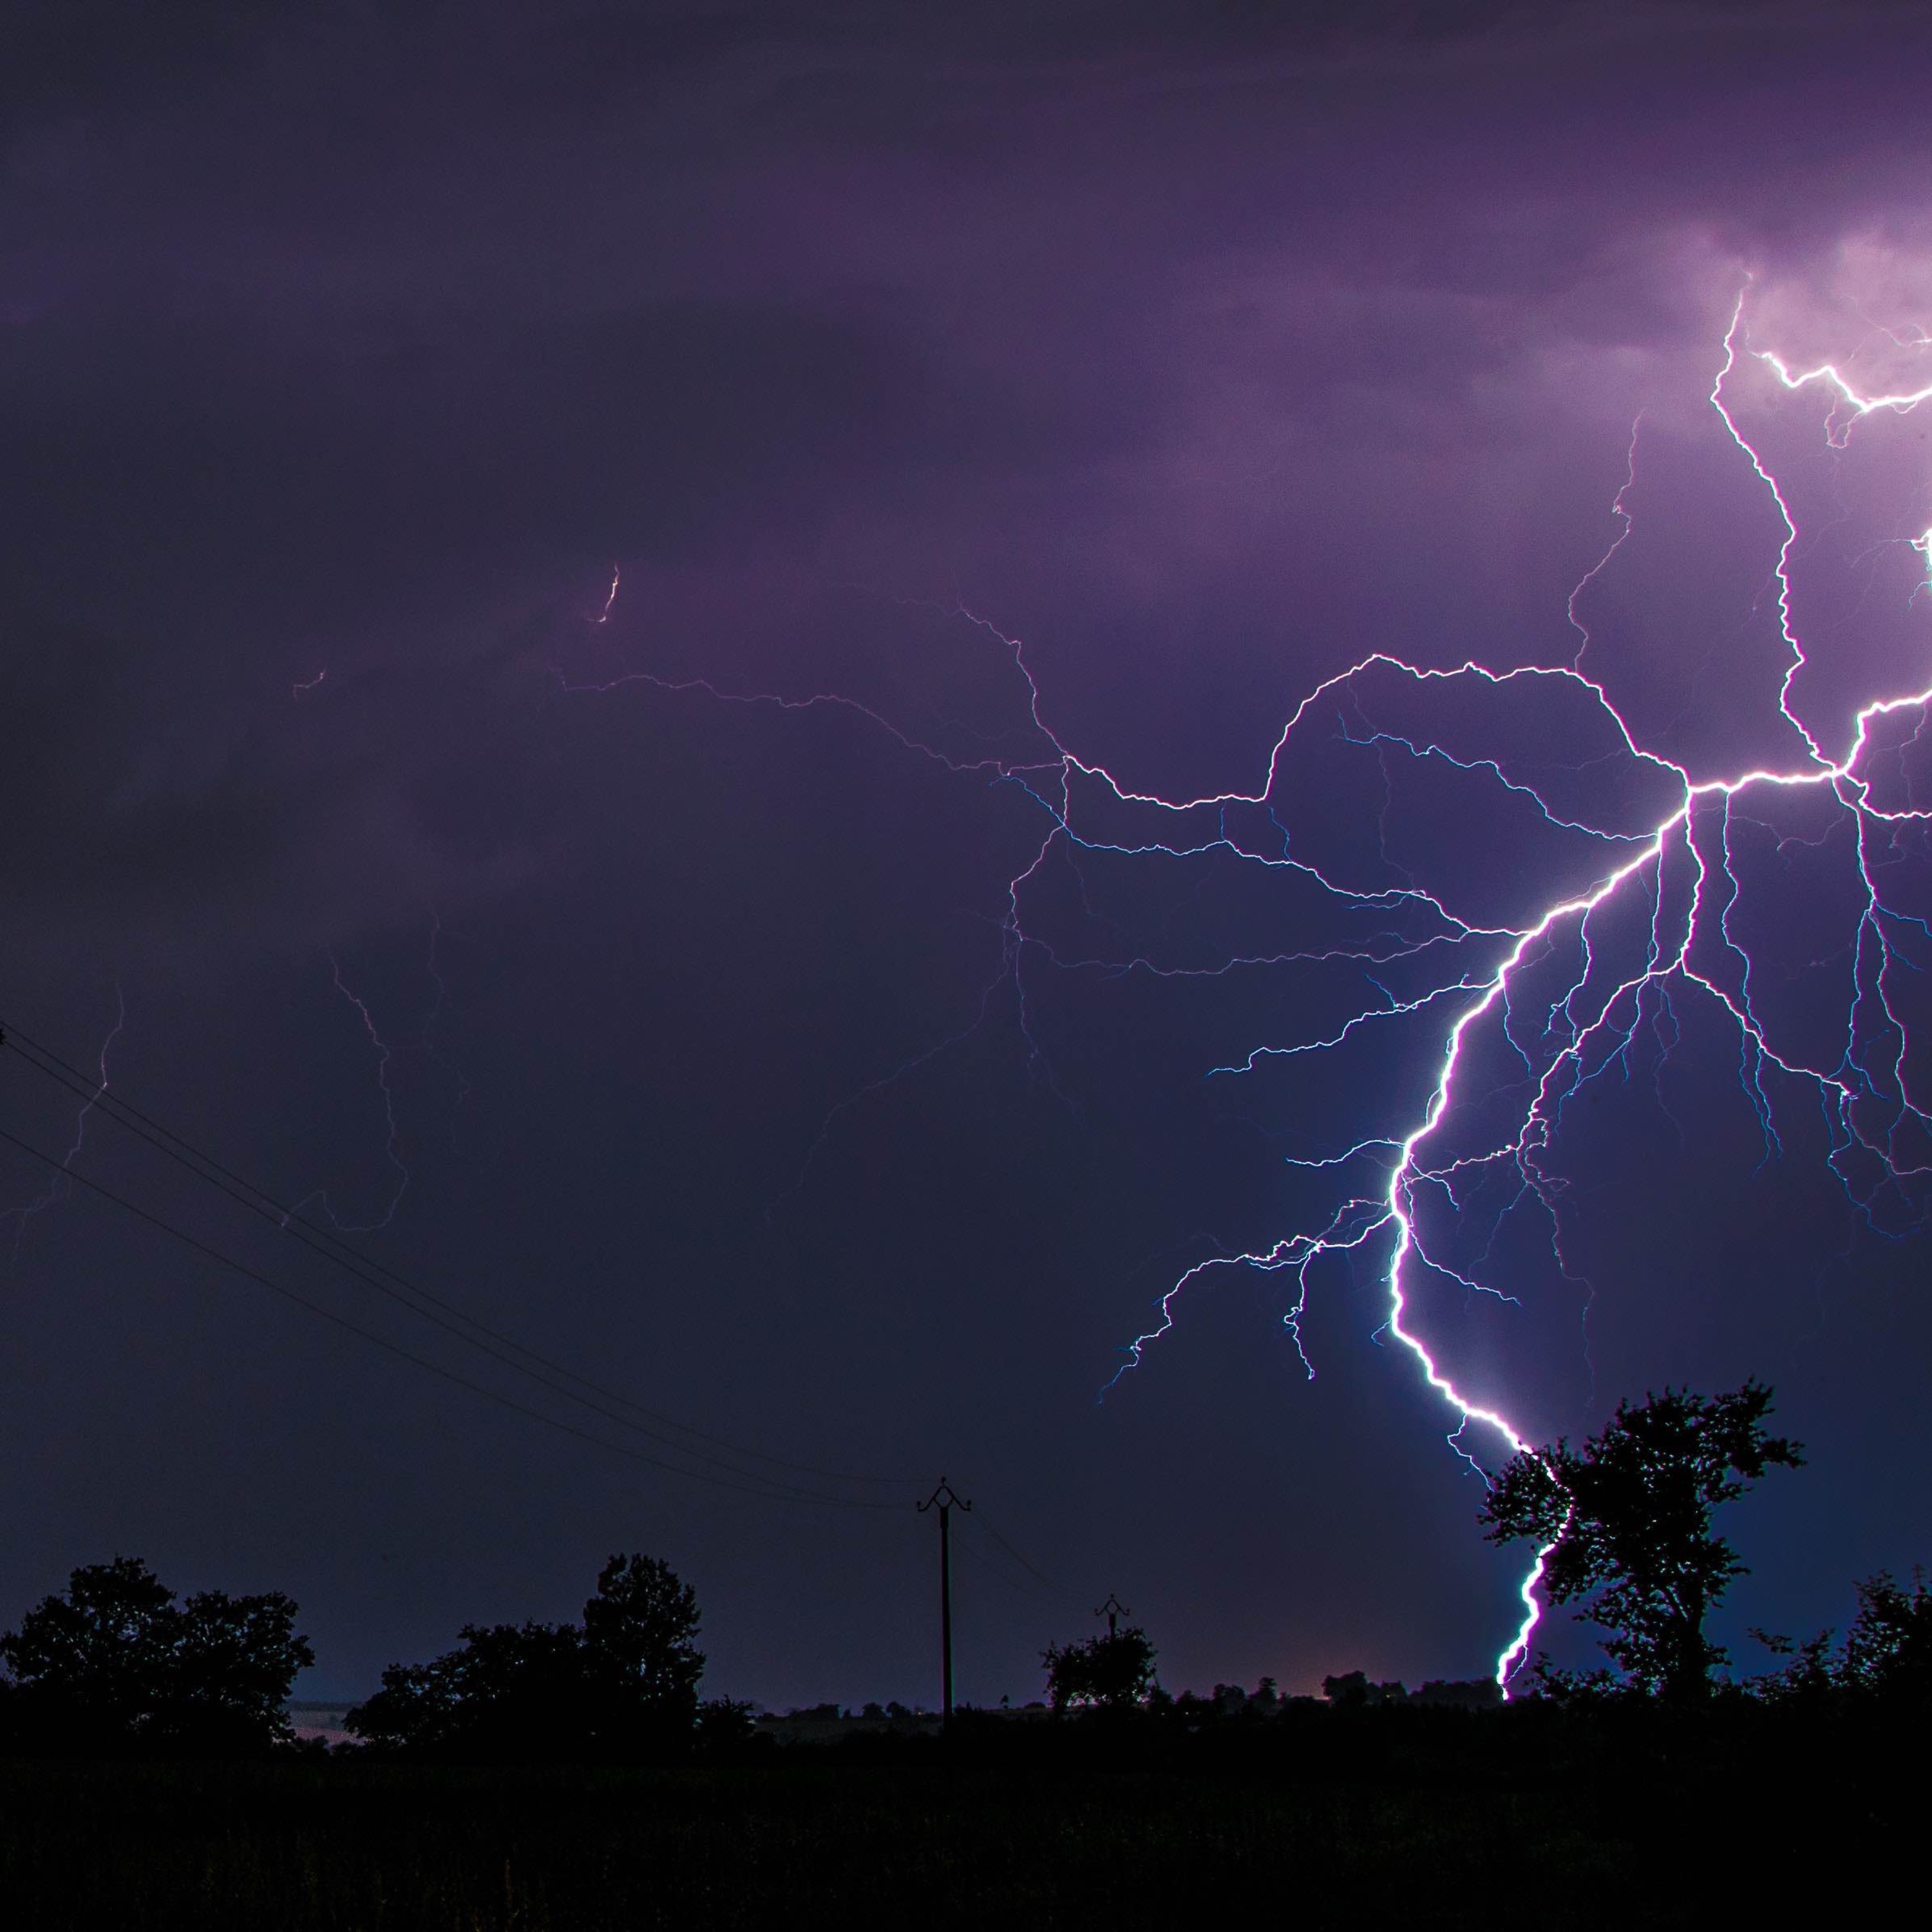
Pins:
<point x="1467" y="1822"/>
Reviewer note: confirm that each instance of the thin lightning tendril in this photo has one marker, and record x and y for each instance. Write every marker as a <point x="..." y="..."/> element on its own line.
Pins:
<point x="387" y="1049"/>
<point x="20" y="1216"/>
<point x="1602" y="563"/>
<point x="392" y="1148"/>
<point x="610" y="598"/>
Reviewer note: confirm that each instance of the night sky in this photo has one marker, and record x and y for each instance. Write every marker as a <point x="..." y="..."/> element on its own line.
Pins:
<point x="351" y="353"/>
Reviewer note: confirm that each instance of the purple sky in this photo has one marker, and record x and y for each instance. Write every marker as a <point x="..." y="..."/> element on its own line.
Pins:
<point x="1205" y="355"/>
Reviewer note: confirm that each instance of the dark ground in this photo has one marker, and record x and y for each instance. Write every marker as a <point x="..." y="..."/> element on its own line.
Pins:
<point x="1427" y="1820"/>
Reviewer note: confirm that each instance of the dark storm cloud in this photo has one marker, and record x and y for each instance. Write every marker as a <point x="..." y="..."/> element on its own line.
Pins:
<point x="354" y="339"/>
<point x="200" y="435"/>
<point x="1205" y="347"/>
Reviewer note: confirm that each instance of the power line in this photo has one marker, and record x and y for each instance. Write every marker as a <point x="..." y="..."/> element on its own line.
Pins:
<point x="319" y="1242"/>
<point x="366" y="1269"/>
<point x="387" y="1281"/>
<point x="769" y="1493"/>
<point x="1034" y="1582"/>
<point x="1058" y="1589"/>
<point x="409" y="1294"/>
<point x="985" y="1561"/>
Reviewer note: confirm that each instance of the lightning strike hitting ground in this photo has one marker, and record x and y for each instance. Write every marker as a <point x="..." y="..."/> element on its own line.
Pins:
<point x="1563" y="993"/>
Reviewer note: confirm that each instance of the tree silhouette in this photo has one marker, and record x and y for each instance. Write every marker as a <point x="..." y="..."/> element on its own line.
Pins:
<point x="1888" y="1650"/>
<point x="639" y="1636"/>
<point x="622" y="1684"/>
<point x="513" y="1690"/>
<point x="1116" y="1670"/>
<point x="1627" y="1520"/>
<point x="117" y="1660"/>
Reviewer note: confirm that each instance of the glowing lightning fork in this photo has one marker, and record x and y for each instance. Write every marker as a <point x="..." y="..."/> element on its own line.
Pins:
<point x="1840" y="777"/>
<point x="1869" y="1109"/>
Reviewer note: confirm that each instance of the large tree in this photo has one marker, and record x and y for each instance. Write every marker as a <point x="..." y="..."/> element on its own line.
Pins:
<point x="639" y="1632"/>
<point x="1887" y="1651"/>
<point x="1626" y="1521"/>
<point x="624" y="1683"/>
<point x="1115" y="1671"/>
<point x="117" y="1661"/>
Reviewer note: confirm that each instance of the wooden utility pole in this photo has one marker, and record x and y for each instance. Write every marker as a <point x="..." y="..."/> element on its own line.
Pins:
<point x="1112" y="1609"/>
<point x="944" y="1498"/>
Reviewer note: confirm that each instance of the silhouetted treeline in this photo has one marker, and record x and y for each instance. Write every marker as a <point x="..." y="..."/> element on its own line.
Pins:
<point x="622" y="1685"/>
<point x="118" y="1666"/>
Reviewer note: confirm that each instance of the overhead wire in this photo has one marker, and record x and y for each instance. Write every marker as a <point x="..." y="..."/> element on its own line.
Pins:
<point x="446" y="1315"/>
<point x="983" y="1559"/>
<point x="1018" y="1572"/>
<point x="979" y="1520"/>
<point x="439" y="1311"/>
<point x="216" y="1255"/>
<point x="979" y="1562"/>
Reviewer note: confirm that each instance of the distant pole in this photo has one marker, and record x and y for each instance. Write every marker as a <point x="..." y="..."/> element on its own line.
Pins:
<point x="1112" y="1609"/>
<point x="944" y="1498"/>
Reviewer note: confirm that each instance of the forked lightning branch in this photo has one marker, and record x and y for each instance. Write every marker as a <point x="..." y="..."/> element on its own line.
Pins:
<point x="1562" y="995"/>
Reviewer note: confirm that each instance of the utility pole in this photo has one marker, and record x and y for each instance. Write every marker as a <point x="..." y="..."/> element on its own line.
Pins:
<point x="944" y="1498"/>
<point x="1112" y="1609"/>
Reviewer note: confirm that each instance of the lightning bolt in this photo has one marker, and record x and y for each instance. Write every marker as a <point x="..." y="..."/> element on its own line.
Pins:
<point x="610" y="598"/>
<point x="392" y="1145"/>
<point x="1602" y="563"/>
<point x="387" y="1048"/>
<point x="1565" y="992"/>
<point x="1849" y="406"/>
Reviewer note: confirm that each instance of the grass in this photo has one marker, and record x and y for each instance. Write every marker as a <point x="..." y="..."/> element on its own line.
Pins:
<point x="1580" y="1837"/>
